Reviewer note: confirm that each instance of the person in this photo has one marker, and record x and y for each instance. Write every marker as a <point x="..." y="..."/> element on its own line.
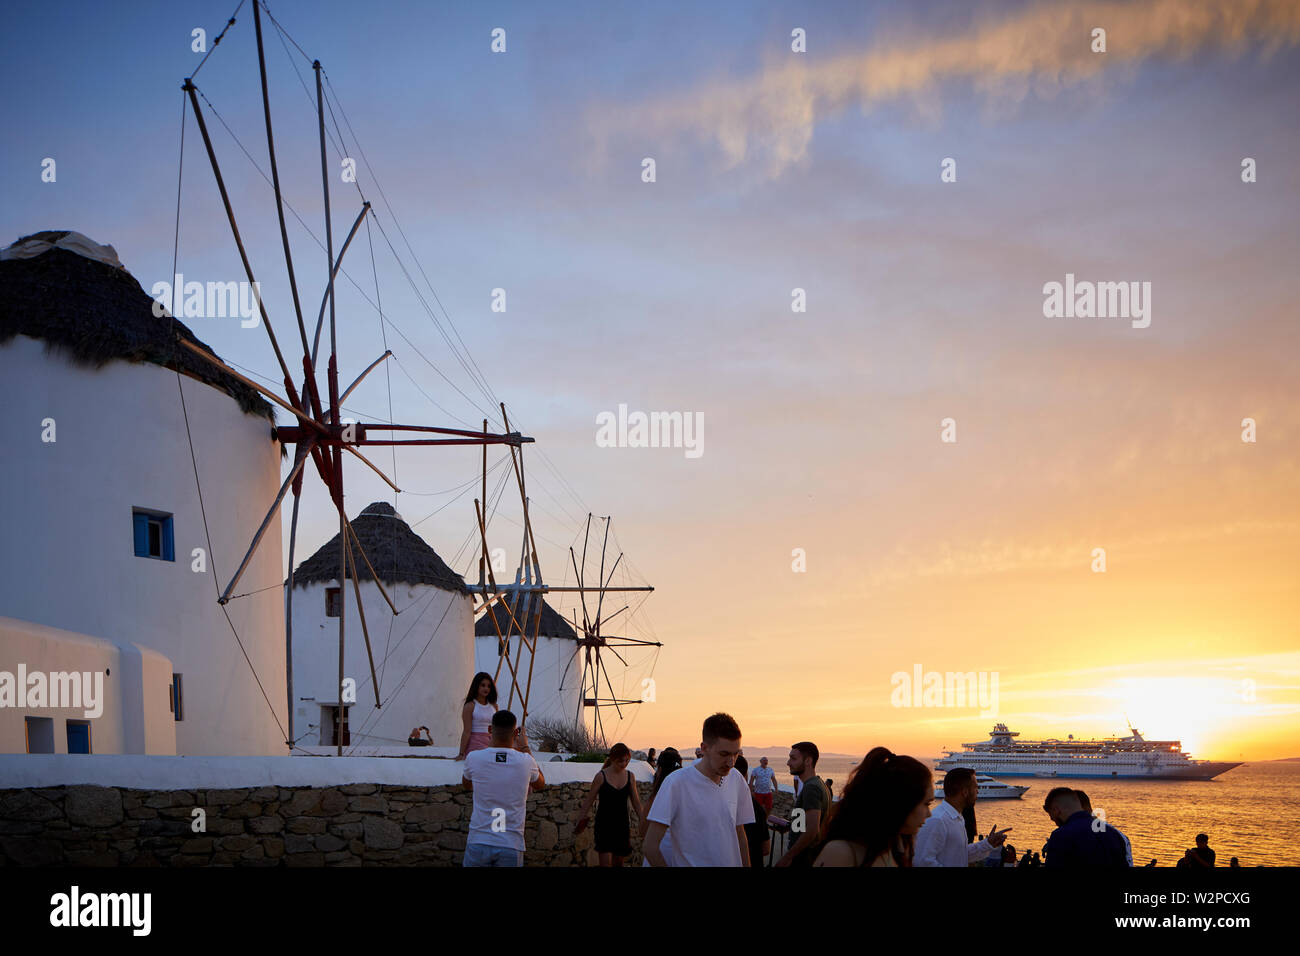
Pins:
<point x="650" y="758"/>
<point x="705" y="807"/>
<point x="616" y="787"/>
<point x="1186" y="861"/>
<point x="1202" y="856"/>
<point x="760" y="837"/>
<point x="476" y="714"/>
<point x="968" y="819"/>
<point x="415" y="740"/>
<point x="762" y="783"/>
<point x="1152" y="863"/>
<point x="812" y="799"/>
<point x="943" y="839"/>
<point x="1037" y="860"/>
<point x="500" y="777"/>
<point x="1075" y="842"/>
<point x="669" y="761"/>
<point x="1087" y="805"/>
<point x="882" y="806"/>
<point x="1234" y="864"/>
<point x="1026" y="860"/>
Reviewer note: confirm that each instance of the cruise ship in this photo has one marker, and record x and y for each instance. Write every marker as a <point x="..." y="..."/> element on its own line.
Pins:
<point x="1130" y="757"/>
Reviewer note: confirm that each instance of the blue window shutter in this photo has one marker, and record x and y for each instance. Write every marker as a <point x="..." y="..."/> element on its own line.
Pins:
<point x="169" y="551"/>
<point x="141" y="535"/>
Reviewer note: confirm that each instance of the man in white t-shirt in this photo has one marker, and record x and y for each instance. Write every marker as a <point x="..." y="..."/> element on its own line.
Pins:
<point x="500" y="776"/>
<point x="704" y="807"/>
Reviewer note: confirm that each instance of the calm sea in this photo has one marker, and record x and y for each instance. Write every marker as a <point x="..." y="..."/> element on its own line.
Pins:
<point x="1248" y="812"/>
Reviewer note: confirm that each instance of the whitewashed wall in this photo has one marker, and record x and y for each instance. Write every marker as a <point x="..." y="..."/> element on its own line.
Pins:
<point x="546" y="699"/>
<point x="67" y="555"/>
<point x="431" y="640"/>
<point x="134" y="714"/>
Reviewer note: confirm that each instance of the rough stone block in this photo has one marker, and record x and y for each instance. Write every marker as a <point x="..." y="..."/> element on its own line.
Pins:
<point x="547" y="835"/>
<point x="223" y="797"/>
<point x="432" y="813"/>
<point x="451" y="840"/>
<point x="88" y="806"/>
<point x="380" y="834"/>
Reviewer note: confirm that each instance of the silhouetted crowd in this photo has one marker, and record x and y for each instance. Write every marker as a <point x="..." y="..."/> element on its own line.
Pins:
<point x="717" y="812"/>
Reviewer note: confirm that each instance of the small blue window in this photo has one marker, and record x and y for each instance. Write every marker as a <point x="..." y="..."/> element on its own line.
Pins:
<point x="153" y="535"/>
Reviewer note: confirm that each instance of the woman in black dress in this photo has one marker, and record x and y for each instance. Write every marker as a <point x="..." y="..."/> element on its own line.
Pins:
<point x="615" y="787"/>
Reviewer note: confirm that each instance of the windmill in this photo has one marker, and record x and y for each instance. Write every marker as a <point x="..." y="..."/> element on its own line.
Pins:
<point x="523" y="602"/>
<point x="593" y="638"/>
<point x="320" y="433"/>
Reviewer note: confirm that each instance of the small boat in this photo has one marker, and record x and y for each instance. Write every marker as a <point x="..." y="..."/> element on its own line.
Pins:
<point x="990" y="789"/>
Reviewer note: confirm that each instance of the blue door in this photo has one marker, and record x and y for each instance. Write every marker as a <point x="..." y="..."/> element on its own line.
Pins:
<point x="78" y="738"/>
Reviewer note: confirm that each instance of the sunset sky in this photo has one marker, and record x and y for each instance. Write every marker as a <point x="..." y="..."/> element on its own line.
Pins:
<point x="777" y="171"/>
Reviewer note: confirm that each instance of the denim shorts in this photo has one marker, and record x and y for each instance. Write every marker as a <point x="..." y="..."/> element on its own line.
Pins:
<point x="483" y="854"/>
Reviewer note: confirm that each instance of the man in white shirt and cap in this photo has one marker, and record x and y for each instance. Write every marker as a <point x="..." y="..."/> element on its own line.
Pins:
<point x="942" y="839"/>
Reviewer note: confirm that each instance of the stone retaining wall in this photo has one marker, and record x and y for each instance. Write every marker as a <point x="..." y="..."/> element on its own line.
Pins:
<point x="354" y="825"/>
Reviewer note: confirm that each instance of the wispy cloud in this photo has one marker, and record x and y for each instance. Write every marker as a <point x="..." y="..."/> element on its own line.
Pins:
<point x="1003" y="557"/>
<point x="768" y="120"/>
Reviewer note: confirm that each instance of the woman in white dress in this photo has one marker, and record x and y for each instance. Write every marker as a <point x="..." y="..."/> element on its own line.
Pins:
<point x="476" y="715"/>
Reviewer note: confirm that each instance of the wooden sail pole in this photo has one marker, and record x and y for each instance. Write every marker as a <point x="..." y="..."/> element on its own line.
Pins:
<point x="361" y="613"/>
<point x="482" y="529"/>
<point x="275" y="173"/>
<point x="378" y="583"/>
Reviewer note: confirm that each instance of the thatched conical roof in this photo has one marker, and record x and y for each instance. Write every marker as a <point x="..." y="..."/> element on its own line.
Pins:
<point x="397" y="553"/>
<point x="95" y="313"/>
<point x="552" y="624"/>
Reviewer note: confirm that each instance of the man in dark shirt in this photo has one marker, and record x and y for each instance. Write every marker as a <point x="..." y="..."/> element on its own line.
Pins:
<point x="1079" y="840"/>
<point x="1203" y="854"/>
<point x="813" y="800"/>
